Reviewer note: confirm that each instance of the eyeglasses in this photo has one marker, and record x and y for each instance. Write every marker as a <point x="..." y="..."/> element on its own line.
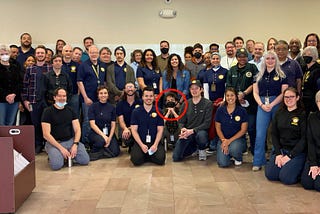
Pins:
<point x="289" y="97"/>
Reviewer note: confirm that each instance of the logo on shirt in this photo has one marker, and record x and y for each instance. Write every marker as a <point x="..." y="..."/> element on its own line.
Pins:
<point x="295" y="121"/>
<point x="73" y="68"/>
<point x="220" y="76"/>
<point x="125" y="69"/>
<point x="153" y="114"/>
<point x="102" y="69"/>
<point x="276" y="78"/>
<point x="157" y="71"/>
<point x="237" y="118"/>
<point x="137" y="106"/>
<point x="249" y="74"/>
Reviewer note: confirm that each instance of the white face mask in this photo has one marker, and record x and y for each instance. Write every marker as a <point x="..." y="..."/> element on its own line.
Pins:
<point x="61" y="105"/>
<point x="5" y="57"/>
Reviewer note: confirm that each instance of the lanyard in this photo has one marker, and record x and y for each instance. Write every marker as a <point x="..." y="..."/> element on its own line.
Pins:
<point x="96" y="71"/>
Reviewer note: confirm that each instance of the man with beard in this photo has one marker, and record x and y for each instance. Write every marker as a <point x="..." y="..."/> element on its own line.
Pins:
<point x="196" y="64"/>
<point x="118" y="74"/>
<point x="147" y="129"/>
<point x="25" y="49"/>
<point x="34" y="90"/>
<point x="230" y="59"/>
<point x="294" y="48"/>
<point x="124" y="108"/>
<point x="87" y="42"/>
<point x="240" y="77"/>
<point x="163" y="57"/>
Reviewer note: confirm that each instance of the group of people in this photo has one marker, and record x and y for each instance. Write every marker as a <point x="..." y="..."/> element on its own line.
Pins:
<point x="210" y="103"/>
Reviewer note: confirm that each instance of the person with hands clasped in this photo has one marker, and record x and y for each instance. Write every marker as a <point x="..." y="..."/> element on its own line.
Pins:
<point x="288" y="139"/>
<point x="268" y="87"/>
<point x="231" y="124"/>
<point x="310" y="178"/>
<point x="102" y="119"/>
<point x="61" y="130"/>
<point x="147" y="129"/>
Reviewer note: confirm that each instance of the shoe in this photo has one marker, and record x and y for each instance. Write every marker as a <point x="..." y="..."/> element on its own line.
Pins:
<point x="237" y="163"/>
<point x="96" y="155"/>
<point x="245" y="153"/>
<point x="256" y="168"/>
<point x="210" y="151"/>
<point x="38" y="149"/>
<point x="202" y="155"/>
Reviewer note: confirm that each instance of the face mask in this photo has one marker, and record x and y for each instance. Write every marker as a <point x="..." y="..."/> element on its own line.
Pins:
<point x="164" y="50"/>
<point x="61" y="105"/>
<point x="307" y="59"/>
<point x="5" y="58"/>
<point x="197" y="55"/>
<point x="171" y="104"/>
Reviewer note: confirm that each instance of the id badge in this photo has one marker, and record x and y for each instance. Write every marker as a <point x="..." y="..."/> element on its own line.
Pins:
<point x="154" y="85"/>
<point x="213" y="87"/>
<point x="266" y="101"/>
<point x="172" y="138"/>
<point x="148" y="138"/>
<point x="105" y="130"/>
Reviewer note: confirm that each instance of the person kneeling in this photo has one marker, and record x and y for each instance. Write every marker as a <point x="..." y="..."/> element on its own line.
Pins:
<point x="102" y="119"/>
<point x="147" y="129"/>
<point x="61" y="129"/>
<point x="231" y="125"/>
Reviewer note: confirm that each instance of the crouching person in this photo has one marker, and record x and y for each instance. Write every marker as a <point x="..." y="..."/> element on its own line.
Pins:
<point x="147" y="129"/>
<point x="61" y="130"/>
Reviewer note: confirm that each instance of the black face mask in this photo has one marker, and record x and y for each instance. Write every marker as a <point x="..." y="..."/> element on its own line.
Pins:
<point x="164" y="50"/>
<point x="170" y="104"/>
<point x="197" y="55"/>
<point x="307" y="59"/>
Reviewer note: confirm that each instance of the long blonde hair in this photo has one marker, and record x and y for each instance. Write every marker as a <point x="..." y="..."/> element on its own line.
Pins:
<point x="279" y="71"/>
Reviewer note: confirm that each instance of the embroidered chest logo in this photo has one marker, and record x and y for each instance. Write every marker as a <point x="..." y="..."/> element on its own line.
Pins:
<point x="294" y="121"/>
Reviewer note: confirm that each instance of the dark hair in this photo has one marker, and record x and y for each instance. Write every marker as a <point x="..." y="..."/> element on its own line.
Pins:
<point x="154" y="62"/>
<point x="25" y="34"/>
<point x="299" y="102"/>
<point x="48" y="49"/>
<point x="237" y="38"/>
<point x="136" y="95"/>
<point x="171" y="94"/>
<point x="133" y="55"/>
<point x="88" y="38"/>
<point x="148" y="88"/>
<point x="235" y="92"/>
<point x="214" y="44"/>
<point x="56" y="56"/>
<point x="105" y="48"/>
<point x="59" y="40"/>
<point x="13" y="46"/>
<point x="229" y="42"/>
<point x="197" y="45"/>
<point x="272" y="38"/>
<point x="170" y="68"/>
<point x="317" y="38"/>
<point x="41" y="47"/>
<point x="101" y="87"/>
<point x="77" y="48"/>
<point x="164" y="41"/>
<point x="282" y="42"/>
<point x="55" y="92"/>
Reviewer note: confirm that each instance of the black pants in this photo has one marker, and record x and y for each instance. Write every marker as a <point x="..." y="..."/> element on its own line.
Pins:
<point x="139" y="158"/>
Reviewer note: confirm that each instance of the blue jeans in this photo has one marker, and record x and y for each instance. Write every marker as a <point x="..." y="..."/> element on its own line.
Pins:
<point x="74" y="103"/>
<point x="307" y="181"/>
<point x="185" y="147"/>
<point x="85" y="124"/>
<point x="8" y="113"/>
<point x="56" y="159"/>
<point x="235" y="150"/>
<point x="252" y="131"/>
<point x="263" y="121"/>
<point x="97" y="142"/>
<point x="213" y="143"/>
<point x="287" y="174"/>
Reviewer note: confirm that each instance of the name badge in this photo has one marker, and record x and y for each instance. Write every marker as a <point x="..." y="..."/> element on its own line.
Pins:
<point x="213" y="87"/>
<point x="172" y="138"/>
<point x="266" y="101"/>
<point x="105" y="130"/>
<point x="148" y="138"/>
<point x="154" y="85"/>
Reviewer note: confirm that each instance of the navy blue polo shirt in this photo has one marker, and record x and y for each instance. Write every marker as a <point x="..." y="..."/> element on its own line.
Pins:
<point x="231" y="123"/>
<point x="149" y="77"/>
<point x="123" y="108"/>
<point x="293" y="72"/>
<point x="270" y="84"/>
<point x="120" y="75"/>
<point x="71" y="69"/>
<point x="218" y="78"/>
<point x="103" y="114"/>
<point x="147" y="122"/>
<point x="201" y="75"/>
<point x="87" y="74"/>
<point x="21" y="58"/>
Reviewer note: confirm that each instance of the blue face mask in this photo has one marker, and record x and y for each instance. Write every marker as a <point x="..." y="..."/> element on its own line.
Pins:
<point x="61" y="105"/>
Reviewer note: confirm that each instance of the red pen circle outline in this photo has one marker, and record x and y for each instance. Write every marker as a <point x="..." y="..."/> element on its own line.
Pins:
<point x="184" y="100"/>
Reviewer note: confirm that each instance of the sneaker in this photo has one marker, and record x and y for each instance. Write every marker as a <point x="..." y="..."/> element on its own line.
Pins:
<point x="256" y="168"/>
<point x="202" y="155"/>
<point x="237" y="163"/>
<point x="210" y="151"/>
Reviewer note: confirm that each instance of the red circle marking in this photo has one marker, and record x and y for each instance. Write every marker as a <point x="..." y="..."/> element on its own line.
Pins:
<point x="184" y="100"/>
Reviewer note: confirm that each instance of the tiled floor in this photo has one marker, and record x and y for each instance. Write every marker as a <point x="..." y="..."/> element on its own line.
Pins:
<point x="112" y="186"/>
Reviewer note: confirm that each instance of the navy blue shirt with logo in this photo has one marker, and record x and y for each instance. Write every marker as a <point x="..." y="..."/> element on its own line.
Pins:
<point x="271" y="84"/>
<point x="217" y="82"/>
<point x="150" y="77"/>
<point x="125" y="109"/>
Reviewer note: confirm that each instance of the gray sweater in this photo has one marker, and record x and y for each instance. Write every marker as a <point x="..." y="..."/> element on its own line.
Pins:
<point x="197" y="117"/>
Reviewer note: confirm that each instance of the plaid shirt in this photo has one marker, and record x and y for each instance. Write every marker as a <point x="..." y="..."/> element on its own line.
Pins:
<point x="34" y="83"/>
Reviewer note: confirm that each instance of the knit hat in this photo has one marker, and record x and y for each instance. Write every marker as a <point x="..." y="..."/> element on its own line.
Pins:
<point x="121" y="48"/>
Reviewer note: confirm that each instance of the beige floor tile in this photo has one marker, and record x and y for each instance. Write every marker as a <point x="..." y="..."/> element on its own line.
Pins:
<point x="111" y="210"/>
<point x="82" y="207"/>
<point x="187" y="205"/>
<point x="118" y="184"/>
<point x="111" y="199"/>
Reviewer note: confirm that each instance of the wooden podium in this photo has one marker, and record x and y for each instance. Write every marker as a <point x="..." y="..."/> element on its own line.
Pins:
<point x="15" y="189"/>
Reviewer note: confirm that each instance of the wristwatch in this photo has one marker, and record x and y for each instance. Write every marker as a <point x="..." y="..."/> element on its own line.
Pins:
<point x="76" y="143"/>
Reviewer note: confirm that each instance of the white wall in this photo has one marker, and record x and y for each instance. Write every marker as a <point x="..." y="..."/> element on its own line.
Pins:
<point x="136" y="22"/>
